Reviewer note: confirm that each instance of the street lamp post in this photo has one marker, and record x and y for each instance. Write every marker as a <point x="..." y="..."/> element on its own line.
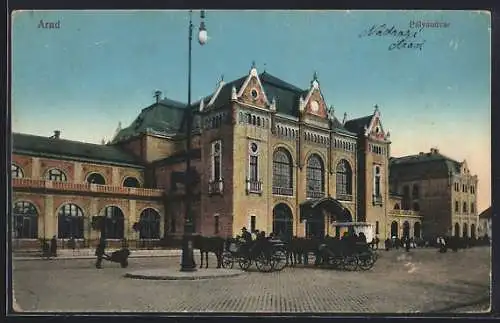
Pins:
<point x="188" y="263"/>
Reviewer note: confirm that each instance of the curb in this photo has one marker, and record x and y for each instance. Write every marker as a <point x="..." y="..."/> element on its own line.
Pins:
<point x="94" y="257"/>
<point x="233" y="273"/>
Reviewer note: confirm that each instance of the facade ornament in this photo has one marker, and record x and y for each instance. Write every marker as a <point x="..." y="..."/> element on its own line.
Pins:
<point x="202" y="105"/>
<point x="331" y="112"/>
<point x="345" y="118"/>
<point x="314" y="82"/>
<point x="234" y="95"/>
<point x="302" y="104"/>
<point x="272" y="107"/>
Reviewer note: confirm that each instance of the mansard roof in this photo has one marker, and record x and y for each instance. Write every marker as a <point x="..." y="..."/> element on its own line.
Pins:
<point x="167" y="116"/>
<point x="164" y="117"/>
<point x="26" y="144"/>
<point x="358" y="125"/>
<point x="423" y="165"/>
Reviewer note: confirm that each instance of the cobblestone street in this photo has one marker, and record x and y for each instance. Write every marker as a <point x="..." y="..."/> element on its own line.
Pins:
<point x="420" y="281"/>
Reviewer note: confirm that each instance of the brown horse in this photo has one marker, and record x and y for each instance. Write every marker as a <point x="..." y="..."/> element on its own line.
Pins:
<point x="209" y="244"/>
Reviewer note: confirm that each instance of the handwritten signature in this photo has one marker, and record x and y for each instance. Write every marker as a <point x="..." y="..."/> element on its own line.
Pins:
<point x="402" y="38"/>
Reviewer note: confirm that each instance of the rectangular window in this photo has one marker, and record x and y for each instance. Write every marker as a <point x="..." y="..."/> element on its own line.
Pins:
<point x="472" y="207"/>
<point x="376" y="228"/>
<point x="254" y="176"/>
<point x="252" y="223"/>
<point x="216" y="224"/>
<point x="456" y="207"/>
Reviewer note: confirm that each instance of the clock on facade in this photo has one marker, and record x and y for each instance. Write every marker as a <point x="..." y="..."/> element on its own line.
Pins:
<point x="253" y="147"/>
<point x="314" y="106"/>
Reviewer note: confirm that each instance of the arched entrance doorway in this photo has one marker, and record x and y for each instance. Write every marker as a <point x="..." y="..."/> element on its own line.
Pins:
<point x="25" y="220"/>
<point x="313" y="211"/>
<point x="473" y="231"/>
<point x="150" y="224"/>
<point x="417" y="231"/>
<point x="283" y="221"/>
<point x="406" y="229"/>
<point x="394" y="229"/>
<point x="113" y="222"/>
<point x="465" y="234"/>
<point x="70" y="222"/>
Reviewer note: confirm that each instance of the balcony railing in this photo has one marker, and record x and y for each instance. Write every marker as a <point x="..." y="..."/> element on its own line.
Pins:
<point x="28" y="183"/>
<point x="283" y="191"/>
<point x="254" y="186"/>
<point x="404" y="213"/>
<point x="344" y="197"/>
<point x="216" y="186"/>
<point x="377" y="199"/>
<point x="315" y="194"/>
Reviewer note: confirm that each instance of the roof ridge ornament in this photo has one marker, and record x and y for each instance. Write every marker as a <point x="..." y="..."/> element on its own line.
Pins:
<point x="234" y="94"/>
<point x="202" y="105"/>
<point x="376" y="109"/>
<point x="314" y="82"/>
<point x="253" y="69"/>
<point x="272" y="107"/>
<point x="345" y="118"/>
<point x="302" y="104"/>
<point x="331" y="112"/>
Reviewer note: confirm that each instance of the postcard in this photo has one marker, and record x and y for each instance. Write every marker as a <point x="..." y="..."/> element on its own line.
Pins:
<point x="251" y="161"/>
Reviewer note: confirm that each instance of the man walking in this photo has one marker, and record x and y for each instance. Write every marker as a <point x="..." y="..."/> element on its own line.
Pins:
<point x="99" y="252"/>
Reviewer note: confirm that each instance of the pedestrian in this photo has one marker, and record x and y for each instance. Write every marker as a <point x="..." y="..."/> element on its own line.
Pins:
<point x="53" y="247"/>
<point x="407" y="243"/>
<point x="99" y="252"/>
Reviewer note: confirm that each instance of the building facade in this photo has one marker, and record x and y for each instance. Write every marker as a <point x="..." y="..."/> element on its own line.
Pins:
<point x="485" y="228"/>
<point x="441" y="189"/>
<point x="263" y="152"/>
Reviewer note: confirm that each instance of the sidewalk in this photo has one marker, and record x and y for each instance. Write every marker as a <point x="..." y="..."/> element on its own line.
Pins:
<point x="90" y="254"/>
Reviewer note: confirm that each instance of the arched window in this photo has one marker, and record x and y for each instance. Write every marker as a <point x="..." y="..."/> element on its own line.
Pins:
<point x="315" y="177"/>
<point x="416" y="207"/>
<point x="131" y="182"/>
<point x="464" y="208"/>
<point x="55" y="174"/>
<point x="150" y="224"/>
<point x="70" y="222"/>
<point x="473" y="231"/>
<point x="25" y="220"/>
<point x="394" y="229"/>
<point x="17" y="171"/>
<point x="344" y="180"/>
<point x="113" y="222"/>
<point x="282" y="172"/>
<point x="415" y="192"/>
<point x="457" y="207"/>
<point x="472" y="208"/>
<point x="396" y="206"/>
<point x="457" y="230"/>
<point x="96" y="178"/>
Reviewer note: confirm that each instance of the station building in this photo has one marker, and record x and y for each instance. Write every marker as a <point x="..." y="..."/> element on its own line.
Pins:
<point x="266" y="155"/>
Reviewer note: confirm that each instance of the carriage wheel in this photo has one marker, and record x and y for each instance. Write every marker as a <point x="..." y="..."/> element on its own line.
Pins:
<point x="244" y="263"/>
<point x="350" y="263"/>
<point x="365" y="261"/>
<point x="263" y="263"/>
<point x="278" y="261"/>
<point x="227" y="260"/>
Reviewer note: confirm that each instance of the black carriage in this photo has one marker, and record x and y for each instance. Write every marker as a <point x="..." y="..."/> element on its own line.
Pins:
<point x="268" y="256"/>
<point x="348" y="256"/>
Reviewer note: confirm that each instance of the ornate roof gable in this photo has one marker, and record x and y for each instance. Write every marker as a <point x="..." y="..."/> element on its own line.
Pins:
<point x="314" y="102"/>
<point x="252" y="91"/>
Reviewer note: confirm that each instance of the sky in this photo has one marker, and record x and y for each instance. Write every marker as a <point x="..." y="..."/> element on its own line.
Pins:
<point x="431" y="82"/>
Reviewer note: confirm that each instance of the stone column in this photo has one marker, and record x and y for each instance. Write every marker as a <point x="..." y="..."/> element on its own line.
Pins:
<point x="35" y="170"/>
<point x="130" y="219"/>
<point x="49" y="217"/>
<point x="78" y="173"/>
<point x="93" y="211"/>
<point x="115" y="177"/>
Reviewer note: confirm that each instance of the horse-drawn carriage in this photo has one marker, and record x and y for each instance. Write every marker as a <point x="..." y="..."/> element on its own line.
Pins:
<point x="346" y="255"/>
<point x="268" y="255"/>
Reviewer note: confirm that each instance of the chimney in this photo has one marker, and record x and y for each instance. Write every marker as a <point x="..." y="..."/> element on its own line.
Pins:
<point x="421" y="153"/>
<point x="57" y="134"/>
<point x="157" y="95"/>
<point x="434" y="151"/>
